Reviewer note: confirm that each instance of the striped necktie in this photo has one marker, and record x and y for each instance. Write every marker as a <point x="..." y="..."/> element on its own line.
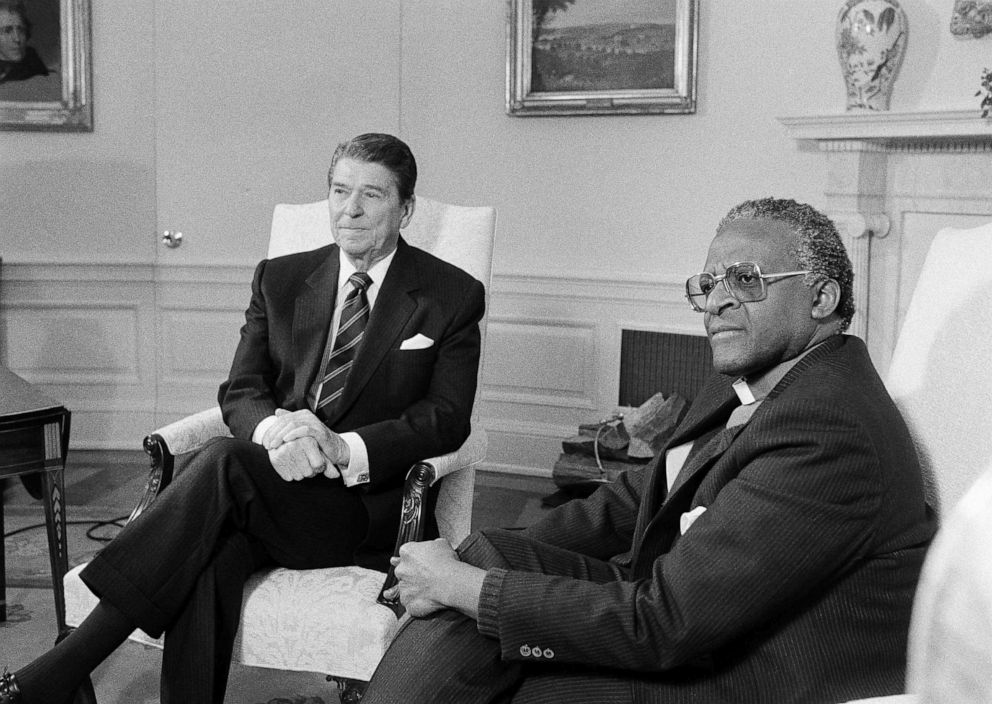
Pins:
<point x="351" y="328"/>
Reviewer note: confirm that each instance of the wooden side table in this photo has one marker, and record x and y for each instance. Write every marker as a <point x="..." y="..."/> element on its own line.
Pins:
<point x="34" y="439"/>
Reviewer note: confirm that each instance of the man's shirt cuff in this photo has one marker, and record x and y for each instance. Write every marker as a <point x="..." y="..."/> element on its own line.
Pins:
<point x="263" y="425"/>
<point x="357" y="471"/>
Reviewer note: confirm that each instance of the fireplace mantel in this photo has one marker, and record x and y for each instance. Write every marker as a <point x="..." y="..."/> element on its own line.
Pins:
<point x="892" y="180"/>
<point x="940" y="131"/>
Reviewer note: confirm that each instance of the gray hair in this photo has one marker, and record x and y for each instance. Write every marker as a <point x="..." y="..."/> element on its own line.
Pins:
<point x="818" y="246"/>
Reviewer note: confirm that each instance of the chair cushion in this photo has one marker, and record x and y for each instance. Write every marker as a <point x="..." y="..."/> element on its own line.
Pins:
<point x="324" y="620"/>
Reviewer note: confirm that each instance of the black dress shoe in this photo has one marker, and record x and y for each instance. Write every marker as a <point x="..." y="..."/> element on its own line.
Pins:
<point x="10" y="693"/>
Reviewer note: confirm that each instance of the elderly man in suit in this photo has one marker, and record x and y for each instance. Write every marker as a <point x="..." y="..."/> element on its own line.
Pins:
<point x="769" y="554"/>
<point x="355" y="361"/>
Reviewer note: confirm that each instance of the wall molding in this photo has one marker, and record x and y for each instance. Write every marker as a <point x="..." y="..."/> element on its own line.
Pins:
<point x="552" y="349"/>
<point x="893" y="131"/>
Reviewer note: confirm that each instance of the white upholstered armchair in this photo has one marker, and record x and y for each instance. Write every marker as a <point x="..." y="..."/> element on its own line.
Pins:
<point x="332" y="620"/>
<point x="939" y="377"/>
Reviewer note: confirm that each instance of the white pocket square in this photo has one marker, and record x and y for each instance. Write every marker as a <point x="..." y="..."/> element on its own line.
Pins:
<point x="688" y="518"/>
<point x="417" y="342"/>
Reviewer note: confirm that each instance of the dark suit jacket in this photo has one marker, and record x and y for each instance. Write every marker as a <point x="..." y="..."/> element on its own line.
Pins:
<point x="795" y="584"/>
<point x="407" y="405"/>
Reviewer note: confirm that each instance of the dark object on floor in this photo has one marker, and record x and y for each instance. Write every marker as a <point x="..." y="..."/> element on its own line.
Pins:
<point x="630" y="434"/>
<point x="627" y="438"/>
<point x="32" y="482"/>
<point x="607" y="439"/>
<point x="580" y="469"/>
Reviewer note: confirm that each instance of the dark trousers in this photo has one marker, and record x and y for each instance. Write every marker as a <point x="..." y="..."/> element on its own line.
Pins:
<point x="181" y="566"/>
<point x="444" y="658"/>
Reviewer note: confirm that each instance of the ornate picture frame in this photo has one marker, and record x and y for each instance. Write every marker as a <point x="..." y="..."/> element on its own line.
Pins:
<point x="46" y="85"/>
<point x="601" y="57"/>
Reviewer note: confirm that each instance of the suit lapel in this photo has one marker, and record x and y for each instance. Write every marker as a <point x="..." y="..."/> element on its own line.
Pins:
<point x="393" y="307"/>
<point x="312" y="318"/>
<point x="713" y="406"/>
<point x="712" y="447"/>
<point x="715" y="402"/>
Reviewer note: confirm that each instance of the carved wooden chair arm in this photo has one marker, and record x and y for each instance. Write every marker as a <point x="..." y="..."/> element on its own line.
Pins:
<point x="163" y="445"/>
<point x="415" y="498"/>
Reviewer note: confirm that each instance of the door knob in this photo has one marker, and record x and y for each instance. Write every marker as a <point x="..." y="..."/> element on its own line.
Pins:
<point x="172" y="238"/>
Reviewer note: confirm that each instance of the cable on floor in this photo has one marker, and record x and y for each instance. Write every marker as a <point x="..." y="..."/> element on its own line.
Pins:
<point x="90" y="532"/>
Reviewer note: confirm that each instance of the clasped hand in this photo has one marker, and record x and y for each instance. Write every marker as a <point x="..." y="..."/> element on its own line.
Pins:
<point x="432" y="577"/>
<point x="301" y="446"/>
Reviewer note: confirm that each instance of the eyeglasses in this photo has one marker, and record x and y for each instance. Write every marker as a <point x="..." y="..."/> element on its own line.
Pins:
<point x="743" y="280"/>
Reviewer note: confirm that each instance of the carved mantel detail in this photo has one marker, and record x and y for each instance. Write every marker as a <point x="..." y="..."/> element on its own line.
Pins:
<point x="929" y="132"/>
<point x="857" y="229"/>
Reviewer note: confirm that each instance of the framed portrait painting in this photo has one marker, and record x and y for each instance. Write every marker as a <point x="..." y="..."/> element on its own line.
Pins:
<point x="601" y="57"/>
<point x="45" y="65"/>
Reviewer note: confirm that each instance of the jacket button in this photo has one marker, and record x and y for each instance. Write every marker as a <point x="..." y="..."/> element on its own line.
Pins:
<point x="525" y="650"/>
<point x="549" y="653"/>
<point x="536" y="651"/>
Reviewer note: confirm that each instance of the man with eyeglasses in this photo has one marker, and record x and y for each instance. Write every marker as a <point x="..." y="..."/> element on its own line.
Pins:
<point x="769" y="554"/>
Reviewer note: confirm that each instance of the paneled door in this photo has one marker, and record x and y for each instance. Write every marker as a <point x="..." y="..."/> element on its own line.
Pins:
<point x="250" y="100"/>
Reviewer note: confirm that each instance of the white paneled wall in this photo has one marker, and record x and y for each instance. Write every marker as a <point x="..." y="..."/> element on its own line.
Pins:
<point x="84" y="334"/>
<point x="553" y="357"/>
<point x="87" y="335"/>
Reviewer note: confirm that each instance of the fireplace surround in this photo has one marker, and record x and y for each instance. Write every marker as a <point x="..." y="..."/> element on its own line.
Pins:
<point x="893" y="180"/>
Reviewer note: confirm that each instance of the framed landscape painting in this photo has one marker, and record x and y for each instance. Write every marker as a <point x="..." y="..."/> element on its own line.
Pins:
<point x="45" y="65"/>
<point x="601" y="57"/>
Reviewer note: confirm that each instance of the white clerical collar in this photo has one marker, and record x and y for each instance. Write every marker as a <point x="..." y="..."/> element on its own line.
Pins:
<point x="750" y="392"/>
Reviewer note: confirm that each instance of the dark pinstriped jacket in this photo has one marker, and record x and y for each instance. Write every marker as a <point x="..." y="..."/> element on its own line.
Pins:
<point x="407" y="405"/>
<point x="794" y="585"/>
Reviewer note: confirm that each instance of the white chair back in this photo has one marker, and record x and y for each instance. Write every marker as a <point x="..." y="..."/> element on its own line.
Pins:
<point x="940" y="371"/>
<point x="950" y="638"/>
<point x="461" y="235"/>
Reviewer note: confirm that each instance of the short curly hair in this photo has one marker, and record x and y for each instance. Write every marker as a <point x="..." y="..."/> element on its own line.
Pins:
<point x="818" y="246"/>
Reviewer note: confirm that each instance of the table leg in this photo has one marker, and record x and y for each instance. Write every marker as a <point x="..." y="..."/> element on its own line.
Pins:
<point x="53" y="482"/>
<point x="3" y="565"/>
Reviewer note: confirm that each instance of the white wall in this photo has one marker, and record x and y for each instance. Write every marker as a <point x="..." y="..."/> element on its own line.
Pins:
<point x="89" y="197"/>
<point x="600" y="218"/>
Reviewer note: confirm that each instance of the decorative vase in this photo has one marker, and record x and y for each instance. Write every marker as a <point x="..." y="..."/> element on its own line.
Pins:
<point x="871" y="42"/>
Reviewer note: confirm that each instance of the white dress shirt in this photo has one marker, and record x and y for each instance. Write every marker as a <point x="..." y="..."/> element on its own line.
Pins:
<point x="357" y="469"/>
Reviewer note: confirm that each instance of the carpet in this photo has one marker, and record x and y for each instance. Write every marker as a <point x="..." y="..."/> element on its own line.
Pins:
<point x="131" y="674"/>
<point x="27" y="551"/>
